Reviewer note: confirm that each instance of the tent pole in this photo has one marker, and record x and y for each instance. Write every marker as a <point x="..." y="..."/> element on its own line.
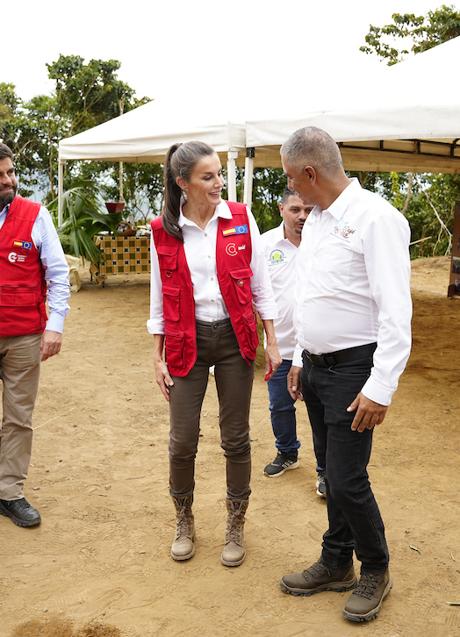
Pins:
<point x="61" y="164"/>
<point x="120" y="182"/>
<point x="231" y="174"/>
<point x="248" y="175"/>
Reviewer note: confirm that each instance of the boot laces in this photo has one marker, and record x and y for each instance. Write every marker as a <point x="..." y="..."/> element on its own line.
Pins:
<point x="315" y="569"/>
<point x="183" y="523"/>
<point x="367" y="585"/>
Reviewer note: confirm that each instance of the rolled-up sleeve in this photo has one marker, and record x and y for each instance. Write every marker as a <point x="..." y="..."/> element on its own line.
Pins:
<point x="55" y="268"/>
<point x="386" y="253"/>
<point x="155" y="324"/>
<point x="262" y="291"/>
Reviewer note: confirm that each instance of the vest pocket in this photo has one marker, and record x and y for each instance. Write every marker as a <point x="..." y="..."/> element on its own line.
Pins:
<point x="250" y="326"/>
<point x="242" y="281"/>
<point x="174" y="350"/>
<point x="171" y="303"/>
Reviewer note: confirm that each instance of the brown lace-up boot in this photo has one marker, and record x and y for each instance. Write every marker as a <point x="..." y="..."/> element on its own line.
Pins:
<point x="234" y="551"/>
<point x="183" y="547"/>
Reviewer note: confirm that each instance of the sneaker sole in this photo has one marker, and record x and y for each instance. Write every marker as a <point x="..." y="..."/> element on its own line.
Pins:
<point x="280" y="473"/>
<point x="22" y="523"/>
<point x="372" y="614"/>
<point x="336" y="587"/>
<point x="321" y="495"/>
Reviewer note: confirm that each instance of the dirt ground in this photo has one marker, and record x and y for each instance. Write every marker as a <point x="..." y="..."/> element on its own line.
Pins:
<point x="99" y="475"/>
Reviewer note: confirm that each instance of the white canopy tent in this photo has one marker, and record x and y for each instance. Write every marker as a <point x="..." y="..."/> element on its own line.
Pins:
<point x="406" y="119"/>
<point x="145" y="134"/>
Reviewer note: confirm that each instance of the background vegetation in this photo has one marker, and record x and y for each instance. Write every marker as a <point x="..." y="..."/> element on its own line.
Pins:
<point x="88" y="94"/>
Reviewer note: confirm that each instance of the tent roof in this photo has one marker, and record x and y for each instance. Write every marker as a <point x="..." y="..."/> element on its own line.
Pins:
<point x="406" y="118"/>
<point x="145" y="133"/>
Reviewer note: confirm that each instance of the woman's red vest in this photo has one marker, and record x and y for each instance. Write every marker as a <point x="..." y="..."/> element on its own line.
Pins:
<point x="233" y="258"/>
<point x="22" y="281"/>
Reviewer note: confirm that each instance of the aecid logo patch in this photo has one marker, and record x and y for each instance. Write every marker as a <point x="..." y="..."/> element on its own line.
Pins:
<point x="13" y="257"/>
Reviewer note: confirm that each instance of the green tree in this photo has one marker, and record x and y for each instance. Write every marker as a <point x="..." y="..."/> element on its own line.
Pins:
<point x="389" y="42"/>
<point x="427" y="200"/>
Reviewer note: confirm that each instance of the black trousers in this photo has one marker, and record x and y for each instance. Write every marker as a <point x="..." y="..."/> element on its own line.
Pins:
<point x="355" y="523"/>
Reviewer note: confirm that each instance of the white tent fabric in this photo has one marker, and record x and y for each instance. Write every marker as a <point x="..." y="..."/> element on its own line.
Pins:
<point x="408" y="118"/>
<point x="145" y="133"/>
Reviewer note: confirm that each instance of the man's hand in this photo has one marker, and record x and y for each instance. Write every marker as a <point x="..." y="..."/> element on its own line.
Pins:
<point x="293" y="383"/>
<point x="272" y="359"/>
<point x="162" y="377"/>
<point x="50" y="344"/>
<point x="368" y="413"/>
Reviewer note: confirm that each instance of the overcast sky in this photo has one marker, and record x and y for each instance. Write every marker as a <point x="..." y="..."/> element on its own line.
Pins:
<point x="172" y="48"/>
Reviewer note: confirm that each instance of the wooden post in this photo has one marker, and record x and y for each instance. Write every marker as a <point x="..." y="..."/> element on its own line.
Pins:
<point x="454" y="281"/>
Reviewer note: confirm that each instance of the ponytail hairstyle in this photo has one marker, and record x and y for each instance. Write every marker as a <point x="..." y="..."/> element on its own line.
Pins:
<point x="179" y="162"/>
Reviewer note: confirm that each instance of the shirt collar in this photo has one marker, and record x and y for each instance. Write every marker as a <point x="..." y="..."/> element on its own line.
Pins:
<point x="5" y="209"/>
<point x="340" y="205"/>
<point x="222" y="210"/>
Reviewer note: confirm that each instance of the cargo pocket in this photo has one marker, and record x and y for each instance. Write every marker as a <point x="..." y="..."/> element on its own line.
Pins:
<point x="174" y="350"/>
<point x="250" y="327"/>
<point x="242" y="281"/>
<point x="171" y="303"/>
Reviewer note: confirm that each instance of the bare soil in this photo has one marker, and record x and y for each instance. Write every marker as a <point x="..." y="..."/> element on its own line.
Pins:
<point x="99" y="565"/>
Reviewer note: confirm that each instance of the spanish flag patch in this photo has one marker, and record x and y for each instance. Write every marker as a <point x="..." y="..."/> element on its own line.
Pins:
<point x="236" y="230"/>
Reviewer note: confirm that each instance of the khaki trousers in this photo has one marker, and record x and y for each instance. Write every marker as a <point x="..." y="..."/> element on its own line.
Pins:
<point x="217" y="345"/>
<point x="19" y="371"/>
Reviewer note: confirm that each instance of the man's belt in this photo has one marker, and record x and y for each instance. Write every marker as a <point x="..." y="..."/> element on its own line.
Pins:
<point x="341" y="356"/>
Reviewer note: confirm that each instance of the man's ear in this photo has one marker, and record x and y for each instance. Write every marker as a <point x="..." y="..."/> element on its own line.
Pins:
<point x="310" y="173"/>
<point x="280" y="208"/>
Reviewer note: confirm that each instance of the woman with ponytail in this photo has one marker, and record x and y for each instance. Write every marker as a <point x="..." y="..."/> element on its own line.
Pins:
<point x="208" y="276"/>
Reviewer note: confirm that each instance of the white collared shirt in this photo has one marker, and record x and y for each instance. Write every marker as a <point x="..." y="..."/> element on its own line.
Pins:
<point x="280" y="255"/>
<point x="54" y="264"/>
<point x="200" y="252"/>
<point x="353" y="285"/>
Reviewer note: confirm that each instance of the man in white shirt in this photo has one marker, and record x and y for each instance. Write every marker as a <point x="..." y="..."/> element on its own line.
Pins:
<point x="353" y="334"/>
<point x="280" y="246"/>
<point x="33" y="270"/>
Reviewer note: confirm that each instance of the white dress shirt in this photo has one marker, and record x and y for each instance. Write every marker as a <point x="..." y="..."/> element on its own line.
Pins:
<point x="55" y="267"/>
<point x="353" y="285"/>
<point x="280" y="255"/>
<point x="200" y="252"/>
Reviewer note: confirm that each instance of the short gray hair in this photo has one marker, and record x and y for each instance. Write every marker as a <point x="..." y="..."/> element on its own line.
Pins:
<point x="313" y="147"/>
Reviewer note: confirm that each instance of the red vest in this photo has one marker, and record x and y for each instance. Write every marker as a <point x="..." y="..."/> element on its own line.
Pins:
<point x="233" y="258"/>
<point x="22" y="283"/>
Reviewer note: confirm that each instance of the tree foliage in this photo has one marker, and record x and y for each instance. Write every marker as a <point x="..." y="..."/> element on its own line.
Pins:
<point x="409" y="33"/>
<point x="427" y="200"/>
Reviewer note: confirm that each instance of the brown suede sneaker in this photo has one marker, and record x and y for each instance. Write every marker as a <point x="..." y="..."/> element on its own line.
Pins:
<point x="367" y="599"/>
<point x="318" y="577"/>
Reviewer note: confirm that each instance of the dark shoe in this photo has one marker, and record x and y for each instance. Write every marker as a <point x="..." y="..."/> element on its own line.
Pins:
<point x="317" y="578"/>
<point x="366" y="600"/>
<point x="321" y="484"/>
<point x="20" y="512"/>
<point x="281" y="464"/>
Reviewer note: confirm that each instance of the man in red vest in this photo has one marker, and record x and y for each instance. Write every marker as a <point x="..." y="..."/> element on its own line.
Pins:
<point x="33" y="270"/>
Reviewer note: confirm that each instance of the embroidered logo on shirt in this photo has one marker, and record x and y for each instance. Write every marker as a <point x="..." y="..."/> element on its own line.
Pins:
<point x="276" y="257"/>
<point x="230" y="249"/>
<point x="236" y="230"/>
<point x="344" y="231"/>
<point x="27" y="245"/>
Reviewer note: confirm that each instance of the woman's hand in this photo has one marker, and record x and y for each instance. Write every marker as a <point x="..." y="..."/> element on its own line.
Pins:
<point x="272" y="356"/>
<point x="162" y="377"/>
<point x="272" y="359"/>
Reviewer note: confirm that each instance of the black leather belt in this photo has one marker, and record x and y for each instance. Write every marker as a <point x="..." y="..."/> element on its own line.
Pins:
<point x="341" y="356"/>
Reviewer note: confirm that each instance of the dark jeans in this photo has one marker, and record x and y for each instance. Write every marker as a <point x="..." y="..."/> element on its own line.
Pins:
<point x="354" y="517"/>
<point x="217" y="345"/>
<point x="283" y="417"/>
